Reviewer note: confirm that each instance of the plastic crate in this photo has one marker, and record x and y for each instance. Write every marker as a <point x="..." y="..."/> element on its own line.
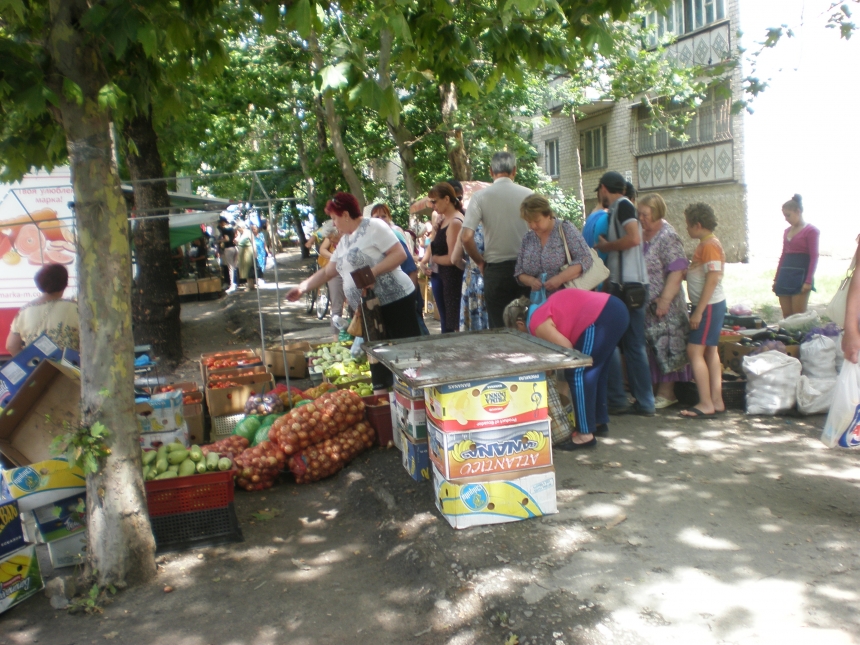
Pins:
<point x="188" y="494"/>
<point x="192" y="530"/>
<point x="223" y="426"/>
<point x="379" y="417"/>
<point x="734" y="394"/>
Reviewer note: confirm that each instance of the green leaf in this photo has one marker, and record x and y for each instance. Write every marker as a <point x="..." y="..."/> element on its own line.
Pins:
<point x="299" y="17"/>
<point x="400" y="27"/>
<point x="271" y="17"/>
<point x="15" y="5"/>
<point x="334" y="76"/>
<point x="98" y="429"/>
<point x="391" y="104"/>
<point x="148" y="38"/>
<point x="90" y="464"/>
<point x="72" y="91"/>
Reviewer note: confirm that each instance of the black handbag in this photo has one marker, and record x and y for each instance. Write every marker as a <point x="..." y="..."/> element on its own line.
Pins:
<point x="633" y="294"/>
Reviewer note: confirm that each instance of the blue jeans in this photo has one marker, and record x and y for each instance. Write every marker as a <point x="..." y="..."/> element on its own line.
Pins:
<point x="638" y="371"/>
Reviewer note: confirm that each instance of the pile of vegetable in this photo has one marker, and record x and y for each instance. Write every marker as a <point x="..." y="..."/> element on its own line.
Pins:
<point x="330" y="456"/>
<point x="260" y="466"/>
<point x="226" y="362"/>
<point x="264" y="404"/>
<point x="315" y="422"/>
<point x="255" y="428"/>
<point x="175" y="460"/>
<point x="337" y="364"/>
<point x="231" y="446"/>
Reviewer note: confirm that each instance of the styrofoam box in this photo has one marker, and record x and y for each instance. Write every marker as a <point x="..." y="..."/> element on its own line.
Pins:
<point x="68" y="551"/>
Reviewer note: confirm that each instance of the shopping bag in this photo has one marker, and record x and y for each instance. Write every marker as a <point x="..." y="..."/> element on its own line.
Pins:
<point x="818" y="357"/>
<point x="842" y="427"/>
<point x="771" y="382"/>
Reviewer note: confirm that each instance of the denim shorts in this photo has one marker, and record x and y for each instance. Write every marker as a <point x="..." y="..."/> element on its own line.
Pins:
<point x="708" y="333"/>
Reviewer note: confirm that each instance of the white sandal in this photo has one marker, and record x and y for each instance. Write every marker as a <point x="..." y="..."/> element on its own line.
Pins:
<point x="662" y="402"/>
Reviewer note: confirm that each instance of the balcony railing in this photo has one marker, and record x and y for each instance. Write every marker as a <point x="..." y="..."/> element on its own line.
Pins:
<point x="712" y="123"/>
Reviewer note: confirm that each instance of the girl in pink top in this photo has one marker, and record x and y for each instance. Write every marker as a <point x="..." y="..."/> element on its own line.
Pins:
<point x="796" y="268"/>
<point x="590" y="322"/>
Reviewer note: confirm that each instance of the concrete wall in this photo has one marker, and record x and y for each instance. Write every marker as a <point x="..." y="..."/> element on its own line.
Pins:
<point x="726" y="191"/>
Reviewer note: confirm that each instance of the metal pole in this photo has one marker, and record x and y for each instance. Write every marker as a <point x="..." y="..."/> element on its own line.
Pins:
<point x="277" y="292"/>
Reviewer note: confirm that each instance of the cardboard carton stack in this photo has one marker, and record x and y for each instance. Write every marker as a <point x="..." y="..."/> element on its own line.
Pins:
<point x="245" y="370"/>
<point x="192" y="408"/>
<point x="410" y="429"/>
<point x="20" y="577"/>
<point x="490" y="450"/>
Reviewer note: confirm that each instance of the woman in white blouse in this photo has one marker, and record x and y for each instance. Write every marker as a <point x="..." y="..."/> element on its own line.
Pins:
<point x="371" y="243"/>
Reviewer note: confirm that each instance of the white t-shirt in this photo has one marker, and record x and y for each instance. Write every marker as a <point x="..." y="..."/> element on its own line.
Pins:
<point x="366" y="247"/>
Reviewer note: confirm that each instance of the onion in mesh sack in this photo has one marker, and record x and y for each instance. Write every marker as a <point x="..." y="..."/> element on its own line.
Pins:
<point x="327" y="458"/>
<point x="315" y="422"/>
<point x="259" y="467"/>
<point x="268" y="403"/>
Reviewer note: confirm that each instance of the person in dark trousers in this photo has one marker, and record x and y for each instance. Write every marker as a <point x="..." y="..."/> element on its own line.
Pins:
<point x="497" y="207"/>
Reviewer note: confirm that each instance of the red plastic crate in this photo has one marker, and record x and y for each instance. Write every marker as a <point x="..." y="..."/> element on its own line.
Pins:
<point x="379" y="417"/>
<point x="189" y="494"/>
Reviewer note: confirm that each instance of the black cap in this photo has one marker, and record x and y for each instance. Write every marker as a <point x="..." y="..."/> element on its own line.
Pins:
<point x="613" y="182"/>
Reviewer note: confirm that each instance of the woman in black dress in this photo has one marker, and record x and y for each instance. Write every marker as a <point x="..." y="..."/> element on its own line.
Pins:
<point x="446" y="203"/>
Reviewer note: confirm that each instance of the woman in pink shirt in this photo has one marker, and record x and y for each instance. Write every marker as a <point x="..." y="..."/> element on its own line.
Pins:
<point x="796" y="268"/>
<point x="590" y="322"/>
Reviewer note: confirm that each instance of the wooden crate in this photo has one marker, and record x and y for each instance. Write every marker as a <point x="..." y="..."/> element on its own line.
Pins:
<point x="186" y="287"/>
<point x="209" y="285"/>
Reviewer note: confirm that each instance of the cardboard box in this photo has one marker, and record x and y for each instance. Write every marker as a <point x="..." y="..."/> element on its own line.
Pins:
<point x="505" y="449"/>
<point x="68" y="551"/>
<point x="416" y="457"/>
<point x="186" y="287"/>
<point x="162" y="413"/>
<point x="411" y="415"/>
<point x="231" y="400"/>
<point x="230" y="374"/>
<point x="155" y="439"/>
<point x="20" y="577"/>
<point x="11" y="527"/>
<point x="297" y="363"/>
<point x="494" y="500"/>
<point x="488" y="403"/>
<point x="245" y="356"/>
<point x="42" y="483"/>
<point x="396" y="436"/>
<point x="194" y="419"/>
<point x="405" y="390"/>
<point x="61" y="518"/>
<point x="15" y="372"/>
<point x="49" y="398"/>
<point x="186" y="387"/>
<point x="732" y="354"/>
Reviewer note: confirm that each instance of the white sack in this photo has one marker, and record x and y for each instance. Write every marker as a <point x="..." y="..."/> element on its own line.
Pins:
<point x="771" y="382"/>
<point x="815" y="395"/>
<point x="818" y="357"/>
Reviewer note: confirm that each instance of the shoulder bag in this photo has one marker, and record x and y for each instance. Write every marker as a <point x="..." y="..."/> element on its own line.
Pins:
<point x="837" y="306"/>
<point x="633" y="294"/>
<point x="592" y="278"/>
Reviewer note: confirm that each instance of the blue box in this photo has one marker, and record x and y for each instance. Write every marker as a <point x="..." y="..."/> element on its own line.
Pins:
<point x="416" y="457"/>
<point x="11" y="530"/>
<point x="61" y="518"/>
<point x="16" y="371"/>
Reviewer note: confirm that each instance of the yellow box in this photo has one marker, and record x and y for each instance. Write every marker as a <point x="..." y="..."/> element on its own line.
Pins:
<point x="43" y="483"/>
<point x="20" y="577"/>
<point x="488" y="403"/>
<point x="489" y="451"/>
<point x="493" y="500"/>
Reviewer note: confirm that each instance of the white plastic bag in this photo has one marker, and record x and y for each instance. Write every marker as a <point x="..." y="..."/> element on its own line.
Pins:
<point x="815" y="395"/>
<point x="801" y="322"/>
<point x="842" y="427"/>
<point x="840" y="355"/>
<point x="771" y="382"/>
<point x="818" y="357"/>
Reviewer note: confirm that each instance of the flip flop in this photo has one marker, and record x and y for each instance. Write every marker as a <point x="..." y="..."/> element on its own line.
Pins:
<point x="697" y="414"/>
<point x="570" y="445"/>
<point x="723" y="411"/>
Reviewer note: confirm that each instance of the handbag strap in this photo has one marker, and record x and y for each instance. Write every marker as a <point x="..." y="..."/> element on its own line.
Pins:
<point x="564" y="241"/>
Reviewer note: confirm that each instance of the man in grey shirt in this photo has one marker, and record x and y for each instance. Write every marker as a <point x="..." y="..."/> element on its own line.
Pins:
<point x="497" y="207"/>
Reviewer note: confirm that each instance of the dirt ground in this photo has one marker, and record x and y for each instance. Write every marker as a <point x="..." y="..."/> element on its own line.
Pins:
<point x="734" y="530"/>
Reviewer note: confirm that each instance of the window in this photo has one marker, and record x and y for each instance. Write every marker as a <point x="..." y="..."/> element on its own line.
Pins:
<point x="593" y="148"/>
<point x="683" y="16"/>
<point x="551" y="157"/>
<point x="712" y="122"/>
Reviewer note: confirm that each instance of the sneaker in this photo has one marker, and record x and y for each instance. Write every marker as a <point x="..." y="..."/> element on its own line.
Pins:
<point x="601" y="430"/>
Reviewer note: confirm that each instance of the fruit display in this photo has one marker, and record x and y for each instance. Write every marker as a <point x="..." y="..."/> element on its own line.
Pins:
<point x="317" y="421"/>
<point x="216" y="363"/>
<point x="222" y="385"/>
<point x="317" y="391"/>
<point x="175" y="460"/>
<point x="259" y="467"/>
<point x="268" y="403"/>
<point x="289" y="396"/>
<point x="330" y="456"/>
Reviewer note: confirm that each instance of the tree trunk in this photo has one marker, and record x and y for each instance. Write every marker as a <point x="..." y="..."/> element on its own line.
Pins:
<point x="461" y="168"/>
<point x="399" y="133"/>
<point x="309" y="182"/>
<point x="333" y="123"/>
<point x="120" y="546"/>
<point x="155" y="299"/>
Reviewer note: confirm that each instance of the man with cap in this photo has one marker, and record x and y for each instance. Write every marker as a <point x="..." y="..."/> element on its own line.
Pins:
<point x="626" y="262"/>
<point x="497" y="207"/>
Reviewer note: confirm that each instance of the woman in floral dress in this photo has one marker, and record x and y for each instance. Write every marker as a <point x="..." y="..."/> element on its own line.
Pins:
<point x="666" y="321"/>
<point x="473" y="312"/>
